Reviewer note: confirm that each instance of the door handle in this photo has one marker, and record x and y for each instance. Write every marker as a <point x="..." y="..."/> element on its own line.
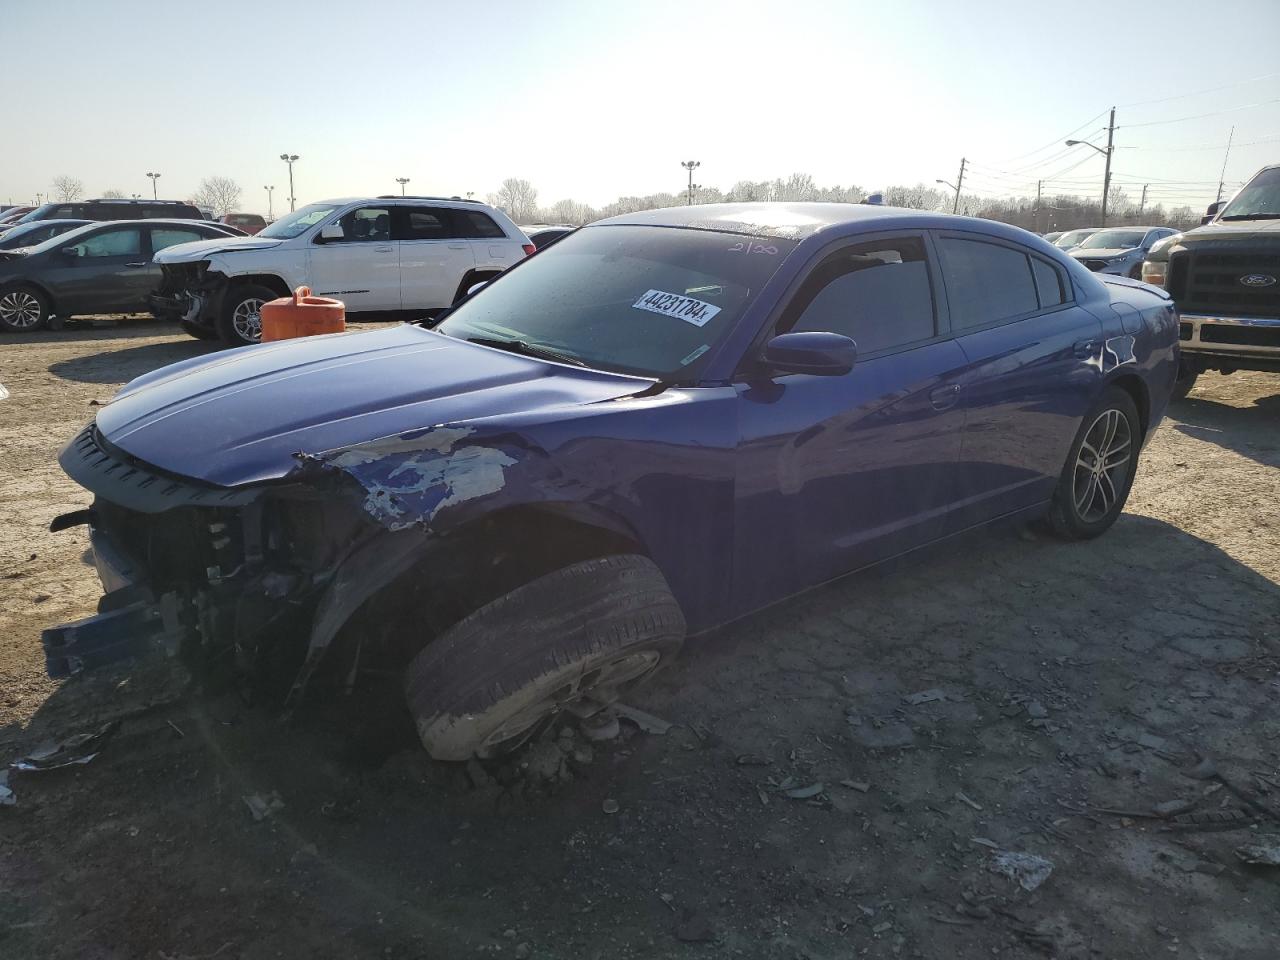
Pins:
<point x="457" y="246"/>
<point x="138" y="263"/>
<point x="1084" y="349"/>
<point x="945" y="396"/>
<point x="382" y="249"/>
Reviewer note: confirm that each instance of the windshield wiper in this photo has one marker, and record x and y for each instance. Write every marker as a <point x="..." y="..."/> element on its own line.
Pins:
<point x="1252" y="216"/>
<point x="527" y="349"/>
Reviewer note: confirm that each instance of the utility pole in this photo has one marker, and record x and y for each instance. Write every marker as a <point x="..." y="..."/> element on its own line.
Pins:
<point x="1143" y="205"/>
<point x="1036" y="216"/>
<point x="1106" y="176"/>
<point x="959" y="184"/>
<point x="690" y="165"/>
<point x="1223" y="176"/>
<point x="402" y="181"/>
<point x="269" y="189"/>
<point x="289" y="158"/>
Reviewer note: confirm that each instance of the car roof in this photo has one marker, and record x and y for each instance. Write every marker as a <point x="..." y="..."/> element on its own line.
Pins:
<point x="784" y="220"/>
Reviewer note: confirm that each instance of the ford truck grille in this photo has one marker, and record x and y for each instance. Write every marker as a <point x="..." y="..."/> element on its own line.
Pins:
<point x="1209" y="282"/>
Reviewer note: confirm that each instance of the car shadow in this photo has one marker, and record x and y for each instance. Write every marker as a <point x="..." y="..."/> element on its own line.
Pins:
<point x="1249" y="431"/>
<point x="121" y="366"/>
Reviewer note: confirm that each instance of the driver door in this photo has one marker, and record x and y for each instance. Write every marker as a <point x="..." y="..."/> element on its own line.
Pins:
<point x="362" y="267"/>
<point x="107" y="273"/>
<point x="837" y="472"/>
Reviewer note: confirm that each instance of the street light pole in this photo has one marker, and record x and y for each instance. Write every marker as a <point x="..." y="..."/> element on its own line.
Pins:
<point x="154" y="177"/>
<point x="402" y="181"/>
<point x="269" y="189"/>
<point x="1106" y="176"/>
<point x="289" y="158"/>
<point x="690" y="165"/>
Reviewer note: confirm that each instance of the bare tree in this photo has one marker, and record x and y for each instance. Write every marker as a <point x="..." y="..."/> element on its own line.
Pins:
<point x="112" y="195"/>
<point x="517" y="198"/>
<point x="67" y="188"/>
<point x="219" y="194"/>
<point x="569" y="211"/>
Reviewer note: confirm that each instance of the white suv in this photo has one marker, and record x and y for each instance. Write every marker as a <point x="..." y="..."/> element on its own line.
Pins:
<point x="375" y="254"/>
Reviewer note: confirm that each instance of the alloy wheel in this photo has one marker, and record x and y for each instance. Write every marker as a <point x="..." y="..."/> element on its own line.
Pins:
<point x="20" y="310"/>
<point x="246" y="319"/>
<point x="1102" y="465"/>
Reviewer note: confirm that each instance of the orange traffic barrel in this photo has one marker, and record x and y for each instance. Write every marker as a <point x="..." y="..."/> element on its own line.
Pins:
<point x="302" y="315"/>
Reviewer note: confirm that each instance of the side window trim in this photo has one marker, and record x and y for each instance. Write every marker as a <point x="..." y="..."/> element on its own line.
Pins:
<point x="1068" y="289"/>
<point x="406" y="210"/>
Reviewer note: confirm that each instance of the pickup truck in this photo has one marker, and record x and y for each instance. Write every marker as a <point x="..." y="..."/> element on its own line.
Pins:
<point x="1225" y="278"/>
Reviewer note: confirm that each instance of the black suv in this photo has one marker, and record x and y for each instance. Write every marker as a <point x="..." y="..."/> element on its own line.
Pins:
<point x="115" y="210"/>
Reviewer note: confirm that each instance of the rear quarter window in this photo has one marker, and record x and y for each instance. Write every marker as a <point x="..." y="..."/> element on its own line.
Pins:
<point x="986" y="282"/>
<point x="474" y="224"/>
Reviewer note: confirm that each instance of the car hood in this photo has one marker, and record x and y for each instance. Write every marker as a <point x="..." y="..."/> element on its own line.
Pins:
<point x="239" y="417"/>
<point x="1233" y="230"/>
<point x="203" y="249"/>
<point x="1101" y="253"/>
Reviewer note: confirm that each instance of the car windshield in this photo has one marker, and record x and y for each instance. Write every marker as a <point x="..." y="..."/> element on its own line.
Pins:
<point x="30" y="233"/>
<point x="1259" y="199"/>
<point x="290" y="226"/>
<point x="1114" y="240"/>
<point x="63" y="239"/>
<point x="651" y="301"/>
<point x="39" y="213"/>
<point x="1071" y="238"/>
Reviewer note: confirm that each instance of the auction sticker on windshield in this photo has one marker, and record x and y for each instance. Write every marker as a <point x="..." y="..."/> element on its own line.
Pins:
<point x="697" y="312"/>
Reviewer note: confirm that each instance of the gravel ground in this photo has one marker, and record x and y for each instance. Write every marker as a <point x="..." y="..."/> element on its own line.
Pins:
<point x="805" y="804"/>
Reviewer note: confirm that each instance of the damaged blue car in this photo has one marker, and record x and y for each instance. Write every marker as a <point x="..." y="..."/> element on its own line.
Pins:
<point x="660" y="424"/>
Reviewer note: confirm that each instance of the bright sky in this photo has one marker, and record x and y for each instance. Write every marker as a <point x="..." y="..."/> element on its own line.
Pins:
<point x="592" y="100"/>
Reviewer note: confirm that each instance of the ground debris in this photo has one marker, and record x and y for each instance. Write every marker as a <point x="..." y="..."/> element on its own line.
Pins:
<point x="924" y="696"/>
<point x="1263" y="851"/>
<point x="1172" y="808"/>
<point x="805" y="793"/>
<point x="7" y="797"/>
<point x="968" y="801"/>
<point x="78" y="749"/>
<point x="1026" y="869"/>
<point x="861" y="786"/>
<point x="645" y="721"/>
<point x="753" y="760"/>
<point x="263" y="805"/>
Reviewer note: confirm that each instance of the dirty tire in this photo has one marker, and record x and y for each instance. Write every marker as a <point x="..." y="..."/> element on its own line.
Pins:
<point x="233" y="326"/>
<point x="495" y="679"/>
<point x="198" y="330"/>
<point x="1185" y="382"/>
<point x="1086" y="504"/>
<point x="23" y="309"/>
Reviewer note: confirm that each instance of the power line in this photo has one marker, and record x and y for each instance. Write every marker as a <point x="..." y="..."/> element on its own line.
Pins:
<point x="1057" y="140"/>
<point x="1211" y="146"/>
<point x="1196" y="93"/>
<point x="1200" y="116"/>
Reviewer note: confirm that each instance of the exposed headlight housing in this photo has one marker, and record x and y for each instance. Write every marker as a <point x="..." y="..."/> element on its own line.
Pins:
<point x="1154" y="271"/>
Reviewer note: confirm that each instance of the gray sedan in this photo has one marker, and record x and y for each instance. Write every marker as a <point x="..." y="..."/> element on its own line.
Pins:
<point x="1120" y="250"/>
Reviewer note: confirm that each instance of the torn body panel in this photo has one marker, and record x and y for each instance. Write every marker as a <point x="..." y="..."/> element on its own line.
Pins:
<point x="189" y="292"/>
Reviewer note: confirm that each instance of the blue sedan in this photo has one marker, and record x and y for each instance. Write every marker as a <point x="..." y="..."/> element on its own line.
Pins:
<point x="661" y="423"/>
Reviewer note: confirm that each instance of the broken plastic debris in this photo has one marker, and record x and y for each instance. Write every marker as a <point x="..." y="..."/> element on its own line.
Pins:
<point x="1026" y="869"/>
<point x="609" y="805"/>
<point x="1171" y="808"/>
<point x="78" y="749"/>
<point x="805" y="793"/>
<point x="7" y="797"/>
<point x="967" y="801"/>
<point x="1264" y="851"/>
<point x="263" y="805"/>
<point x="645" y="721"/>
<point x="924" y="696"/>
<point x="860" y="785"/>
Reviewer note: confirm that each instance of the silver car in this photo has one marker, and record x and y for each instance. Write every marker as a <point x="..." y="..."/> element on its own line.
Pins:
<point x="1073" y="238"/>
<point x="1120" y="250"/>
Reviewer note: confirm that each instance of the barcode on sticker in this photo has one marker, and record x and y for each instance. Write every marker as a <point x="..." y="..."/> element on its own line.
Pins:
<point x="697" y="312"/>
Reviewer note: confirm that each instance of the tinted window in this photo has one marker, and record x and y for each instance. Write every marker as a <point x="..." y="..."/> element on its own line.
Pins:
<point x="473" y="223"/>
<point x="162" y="237"/>
<point x="986" y="283"/>
<point x="425" y="223"/>
<point x="878" y="294"/>
<point x="1048" y="283"/>
<point x="372" y="224"/>
<point x="111" y="243"/>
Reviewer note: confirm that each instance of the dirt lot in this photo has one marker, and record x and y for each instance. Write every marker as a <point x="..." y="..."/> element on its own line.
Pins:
<point x="1075" y="681"/>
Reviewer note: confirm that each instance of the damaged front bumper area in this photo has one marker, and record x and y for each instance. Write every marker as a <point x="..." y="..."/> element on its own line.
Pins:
<point x="228" y="580"/>
<point x="190" y="293"/>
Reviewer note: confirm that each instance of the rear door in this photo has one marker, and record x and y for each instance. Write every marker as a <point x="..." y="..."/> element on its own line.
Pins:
<point x="106" y="273"/>
<point x="434" y="256"/>
<point x="1033" y="367"/>
<point x="362" y="269"/>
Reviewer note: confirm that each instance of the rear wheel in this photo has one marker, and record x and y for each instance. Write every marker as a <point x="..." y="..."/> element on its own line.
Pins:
<point x="1098" y="474"/>
<point x="240" y="321"/>
<point x="573" y="641"/>
<point x="23" y="309"/>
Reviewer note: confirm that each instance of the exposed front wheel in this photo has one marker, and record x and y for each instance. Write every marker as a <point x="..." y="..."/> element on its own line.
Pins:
<point x="240" y="321"/>
<point x="23" y="309"/>
<point x="573" y="641"/>
<point x="1098" y="474"/>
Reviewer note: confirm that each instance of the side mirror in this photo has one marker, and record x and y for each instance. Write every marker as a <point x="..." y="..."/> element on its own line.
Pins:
<point x="477" y="286"/>
<point x="70" y="251"/>
<point x="815" y="353"/>
<point x="331" y="231"/>
<point x="1212" y="211"/>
